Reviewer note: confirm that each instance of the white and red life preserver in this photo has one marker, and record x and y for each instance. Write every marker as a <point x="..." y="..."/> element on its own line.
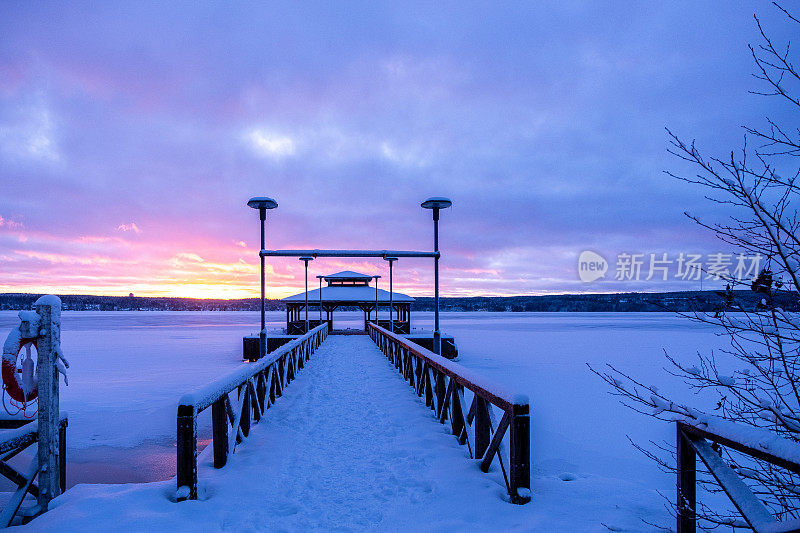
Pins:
<point x="19" y="375"/>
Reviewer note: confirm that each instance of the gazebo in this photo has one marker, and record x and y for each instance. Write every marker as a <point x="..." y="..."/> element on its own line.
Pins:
<point x="347" y="289"/>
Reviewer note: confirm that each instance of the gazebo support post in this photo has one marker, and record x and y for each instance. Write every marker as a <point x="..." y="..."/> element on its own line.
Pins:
<point x="376" y="278"/>
<point x="320" y="298"/>
<point x="391" y="289"/>
<point x="305" y="260"/>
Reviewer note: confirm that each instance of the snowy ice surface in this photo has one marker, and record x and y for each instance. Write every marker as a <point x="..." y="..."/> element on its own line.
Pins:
<point x="350" y="448"/>
<point x="396" y="468"/>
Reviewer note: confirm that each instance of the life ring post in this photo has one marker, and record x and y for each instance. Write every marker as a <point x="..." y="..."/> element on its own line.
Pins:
<point x="49" y="346"/>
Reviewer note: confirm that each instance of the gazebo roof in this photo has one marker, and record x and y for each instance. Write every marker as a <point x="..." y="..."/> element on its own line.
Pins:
<point x="347" y="275"/>
<point x="349" y="295"/>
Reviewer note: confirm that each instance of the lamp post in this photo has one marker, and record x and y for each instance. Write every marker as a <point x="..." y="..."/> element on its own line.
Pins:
<point x="376" y="278"/>
<point x="320" y="298"/>
<point x="435" y="204"/>
<point x="391" y="301"/>
<point x="305" y="259"/>
<point x="262" y="203"/>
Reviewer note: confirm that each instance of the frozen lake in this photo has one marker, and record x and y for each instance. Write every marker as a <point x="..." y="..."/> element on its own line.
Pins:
<point x="128" y="370"/>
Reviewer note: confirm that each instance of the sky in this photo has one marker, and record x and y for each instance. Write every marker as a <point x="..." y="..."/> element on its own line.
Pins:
<point x="132" y="135"/>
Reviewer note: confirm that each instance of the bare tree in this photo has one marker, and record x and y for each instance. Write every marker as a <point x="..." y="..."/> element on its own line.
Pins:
<point x="760" y="383"/>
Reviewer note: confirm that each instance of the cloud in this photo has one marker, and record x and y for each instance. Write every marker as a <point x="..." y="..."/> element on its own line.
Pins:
<point x="267" y="144"/>
<point x="129" y="227"/>
<point x="28" y="130"/>
<point x="543" y="123"/>
<point x="9" y="224"/>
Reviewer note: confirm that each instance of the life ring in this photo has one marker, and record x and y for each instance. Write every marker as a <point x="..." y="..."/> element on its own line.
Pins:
<point x="20" y="381"/>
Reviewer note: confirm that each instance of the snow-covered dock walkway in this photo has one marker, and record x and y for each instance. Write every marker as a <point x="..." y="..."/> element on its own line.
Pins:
<point x="347" y="447"/>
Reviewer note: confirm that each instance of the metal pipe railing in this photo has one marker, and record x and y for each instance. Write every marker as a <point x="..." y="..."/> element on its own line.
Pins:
<point x="346" y="253"/>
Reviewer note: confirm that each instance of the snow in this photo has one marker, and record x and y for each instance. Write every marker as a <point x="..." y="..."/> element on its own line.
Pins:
<point x="348" y="274"/>
<point x="49" y="299"/>
<point x="349" y="294"/>
<point x="207" y="394"/>
<point x="349" y="447"/>
<point x="472" y="377"/>
<point x="129" y="370"/>
<point x="757" y="438"/>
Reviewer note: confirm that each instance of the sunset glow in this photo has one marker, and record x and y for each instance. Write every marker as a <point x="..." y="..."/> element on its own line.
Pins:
<point x="129" y="147"/>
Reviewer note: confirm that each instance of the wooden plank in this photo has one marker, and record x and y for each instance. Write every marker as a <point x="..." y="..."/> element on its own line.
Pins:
<point x="750" y="507"/>
<point x="420" y="376"/>
<point x="429" y="383"/>
<point x="686" y="497"/>
<point x="219" y="431"/>
<point x="187" y="450"/>
<point x="261" y="392"/>
<point x="443" y="365"/>
<point x="471" y="412"/>
<point x="247" y="411"/>
<point x="62" y="455"/>
<point x="446" y="401"/>
<point x="519" y="441"/>
<point x="277" y="381"/>
<point x="16" y="477"/>
<point x="457" y="415"/>
<point x="483" y="428"/>
<point x="440" y="390"/>
<point x="753" y="452"/>
<point x="11" y="508"/>
<point x="494" y="446"/>
<point x="258" y="409"/>
<point x="234" y="437"/>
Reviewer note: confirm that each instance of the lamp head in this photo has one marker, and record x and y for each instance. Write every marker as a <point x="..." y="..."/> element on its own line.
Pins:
<point x="437" y="202"/>
<point x="390" y="259"/>
<point x="262" y="202"/>
<point x="306" y="258"/>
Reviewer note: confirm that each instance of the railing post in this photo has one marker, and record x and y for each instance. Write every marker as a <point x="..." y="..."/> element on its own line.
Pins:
<point x="520" y="448"/>
<point x="62" y="455"/>
<point x="483" y="432"/>
<point x="219" y="422"/>
<point x="247" y="412"/>
<point x="187" y="450"/>
<point x="686" y="483"/>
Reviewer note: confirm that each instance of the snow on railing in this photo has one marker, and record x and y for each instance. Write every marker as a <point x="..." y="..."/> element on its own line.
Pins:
<point x="696" y="439"/>
<point x="443" y="383"/>
<point x="257" y="385"/>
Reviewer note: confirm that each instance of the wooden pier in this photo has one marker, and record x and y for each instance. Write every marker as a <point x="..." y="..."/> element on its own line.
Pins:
<point x="455" y="395"/>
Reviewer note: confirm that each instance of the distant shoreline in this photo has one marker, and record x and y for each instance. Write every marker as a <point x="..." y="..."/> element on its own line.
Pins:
<point x="618" y="302"/>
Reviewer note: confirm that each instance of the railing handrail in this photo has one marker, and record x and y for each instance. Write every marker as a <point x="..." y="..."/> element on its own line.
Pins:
<point x="256" y="386"/>
<point x="488" y="390"/>
<point x="25" y="435"/>
<point x="208" y="394"/>
<point x="778" y="456"/>
<point x="442" y="383"/>
<point x="693" y="441"/>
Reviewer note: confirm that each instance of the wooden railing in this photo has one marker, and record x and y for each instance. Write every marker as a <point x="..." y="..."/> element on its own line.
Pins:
<point x="257" y="385"/>
<point x="15" y="441"/>
<point x="443" y="383"/>
<point x="693" y="441"/>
